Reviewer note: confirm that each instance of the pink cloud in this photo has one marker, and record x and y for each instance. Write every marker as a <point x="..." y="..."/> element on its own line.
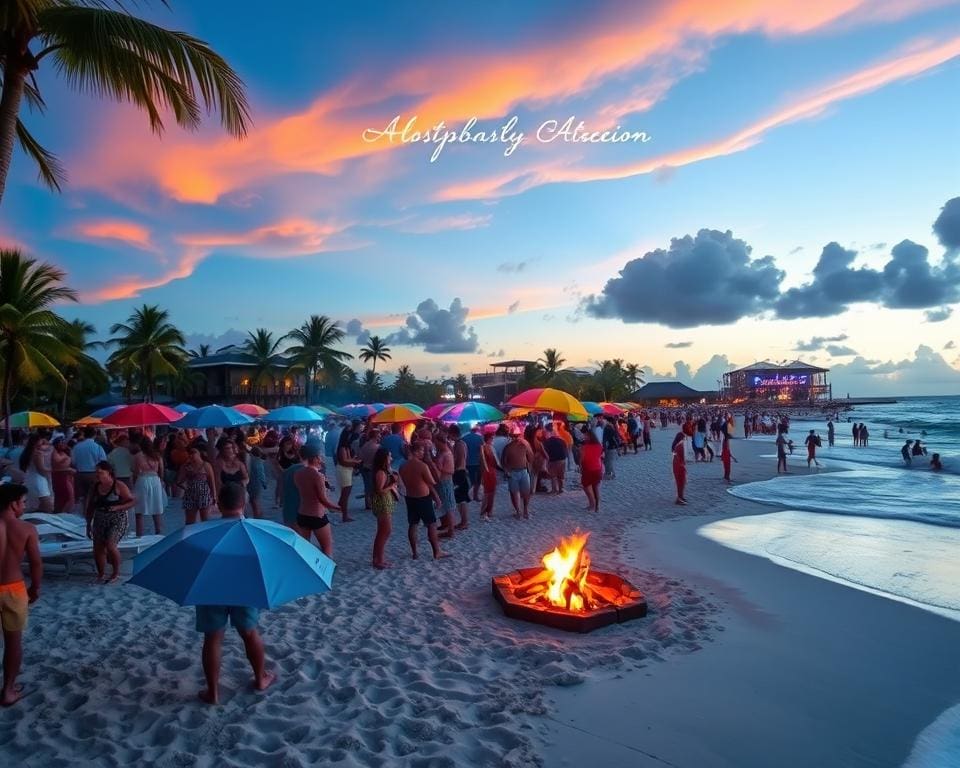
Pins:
<point x="327" y="134"/>
<point x="813" y="104"/>
<point x="126" y="232"/>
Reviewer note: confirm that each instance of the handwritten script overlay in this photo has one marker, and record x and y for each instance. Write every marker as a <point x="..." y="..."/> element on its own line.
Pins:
<point x="509" y="134"/>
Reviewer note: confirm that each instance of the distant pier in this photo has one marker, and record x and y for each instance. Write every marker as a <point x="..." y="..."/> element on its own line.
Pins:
<point x="867" y="401"/>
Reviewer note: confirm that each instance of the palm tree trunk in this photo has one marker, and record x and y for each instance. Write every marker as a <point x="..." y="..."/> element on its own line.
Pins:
<point x="7" y="382"/>
<point x="14" y="79"/>
<point x="63" y="408"/>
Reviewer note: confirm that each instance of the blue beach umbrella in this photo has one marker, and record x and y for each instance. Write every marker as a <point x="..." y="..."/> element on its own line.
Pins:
<point x="213" y="416"/>
<point x="359" y="411"/>
<point x="255" y="563"/>
<point x="592" y="408"/>
<point x="102" y="412"/>
<point x="184" y="408"/>
<point x="292" y="414"/>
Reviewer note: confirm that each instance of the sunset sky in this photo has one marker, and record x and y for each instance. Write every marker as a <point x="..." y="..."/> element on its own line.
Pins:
<point x="798" y="194"/>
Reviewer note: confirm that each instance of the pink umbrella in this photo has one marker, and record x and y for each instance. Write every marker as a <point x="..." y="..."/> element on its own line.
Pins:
<point x="251" y="409"/>
<point x="141" y="415"/>
<point x="434" y="411"/>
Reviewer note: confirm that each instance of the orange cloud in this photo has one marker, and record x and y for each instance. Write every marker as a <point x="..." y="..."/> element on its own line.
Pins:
<point x="132" y="287"/>
<point x="289" y="237"/>
<point x="487" y="85"/>
<point x="126" y="232"/>
<point x="804" y="108"/>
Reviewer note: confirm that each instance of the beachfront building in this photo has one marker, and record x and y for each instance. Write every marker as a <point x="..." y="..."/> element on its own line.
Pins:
<point x="501" y="383"/>
<point x="667" y="394"/>
<point x="228" y="380"/>
<point x="796" y="382"/>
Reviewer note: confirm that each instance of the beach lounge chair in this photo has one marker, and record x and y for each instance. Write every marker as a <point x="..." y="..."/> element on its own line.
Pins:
<point x="63" y="539"/>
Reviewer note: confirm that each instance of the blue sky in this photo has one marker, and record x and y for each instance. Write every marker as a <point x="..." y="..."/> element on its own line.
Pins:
<point x="790" y="124"/>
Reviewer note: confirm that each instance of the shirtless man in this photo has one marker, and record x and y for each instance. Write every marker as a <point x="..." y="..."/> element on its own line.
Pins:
<point x="461" y="478"/>
<point x="421" y="497"/>
<point x="16" y="539"/>
<point x="312" y="514"/>
<point x="516" y="460"/>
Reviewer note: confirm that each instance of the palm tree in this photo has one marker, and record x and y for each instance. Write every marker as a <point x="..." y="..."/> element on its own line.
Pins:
<point x="376" y="349"/>
<point x="372" y="385"/>
<point x="111" y="53"/>
<point x="549" y="365"/>
<point x="150" y="343"/>
<point x="202" y="350"/>
<point x="314" y="350"/>
<point x="634" y="376"/>
<point x="404" y="385"/>
<point x="262" y="347"/>
<point x="84" y="368"/>
<point x="31" y="335"/>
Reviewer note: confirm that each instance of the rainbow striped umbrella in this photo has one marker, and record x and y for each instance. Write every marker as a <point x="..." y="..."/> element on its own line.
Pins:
<point x="31" y="419"/>
<point x="251" y="409"/>
<point x="471" y="412"/>
<point x="434" y="411"/>
<point x="87" y="421"/>
<point x="549" y="399"/>
<point x="395" y="414"/>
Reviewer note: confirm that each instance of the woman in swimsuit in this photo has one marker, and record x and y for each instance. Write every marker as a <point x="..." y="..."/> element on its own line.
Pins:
<point x="346" y="462"/>
<point x="107" y="505"/>
<point x="197" y="481"/>
<point x="679" y="467"/>
<point x="229" y="467"/>
<point x="488" y="476"/>
<point x="384" y="496"/>
<point x="33" y="463"/>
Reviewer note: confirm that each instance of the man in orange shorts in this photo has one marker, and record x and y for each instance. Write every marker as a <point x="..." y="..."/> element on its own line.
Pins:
<point x="16" y="539"/>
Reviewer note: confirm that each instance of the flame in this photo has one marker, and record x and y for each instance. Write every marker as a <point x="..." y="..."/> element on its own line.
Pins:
<point x="568" y="566"/>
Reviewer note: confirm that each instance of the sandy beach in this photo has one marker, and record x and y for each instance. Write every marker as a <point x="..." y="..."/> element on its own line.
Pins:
<point x="739" y="662"/>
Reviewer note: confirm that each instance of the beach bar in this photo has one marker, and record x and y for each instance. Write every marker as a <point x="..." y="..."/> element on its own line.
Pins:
<point x="795" y="382"/>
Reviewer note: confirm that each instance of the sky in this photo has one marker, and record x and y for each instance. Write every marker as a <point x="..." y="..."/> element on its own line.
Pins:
<point x="784" y="183"/>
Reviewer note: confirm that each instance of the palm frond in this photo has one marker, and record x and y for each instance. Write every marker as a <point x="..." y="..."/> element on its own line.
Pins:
<point x="111" y="53"/>
<point x="49" y="168"/>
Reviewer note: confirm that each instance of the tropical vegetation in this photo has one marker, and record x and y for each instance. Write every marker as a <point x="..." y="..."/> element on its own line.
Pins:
<point x="99" y="47"/>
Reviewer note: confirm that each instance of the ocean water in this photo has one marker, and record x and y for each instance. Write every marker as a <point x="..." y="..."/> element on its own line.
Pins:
<point x="871" y="522"/>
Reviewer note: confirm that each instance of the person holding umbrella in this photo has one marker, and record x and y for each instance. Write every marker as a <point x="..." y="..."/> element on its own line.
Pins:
<point x="212" y="620"/>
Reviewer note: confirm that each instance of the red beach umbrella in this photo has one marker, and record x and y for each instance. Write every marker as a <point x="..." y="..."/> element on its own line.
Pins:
<point x="141" y="415"/>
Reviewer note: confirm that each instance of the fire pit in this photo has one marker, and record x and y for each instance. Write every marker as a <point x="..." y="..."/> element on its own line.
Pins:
<point x="566" y="594"/>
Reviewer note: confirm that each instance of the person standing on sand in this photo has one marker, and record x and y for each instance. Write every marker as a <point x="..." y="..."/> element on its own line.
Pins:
<point x="421" y="496"/>
<point x="461" y="478"/>
<point x="312" y="487"/>
<point x="63" y="476"/>
<point x="16" y="540"/>
<point x="679" y="467"/>
<point x="196" y="479"/>
<point x="556" y="450"/>
<point x="384" y="498"/>
<point x="517" y="460"/>
<point x="591" y="470"/>
<point x="781" y="452"/>
<point x="488" y="476"/>
<point x="473" y="440"/>
<point x="107" y="520"/>
<point x="346" y="462"/>
<point x="212" y="619"/>
<point x="726" y="456"/>
<point x="812" y="441"/>
<point x="442" y="467"/>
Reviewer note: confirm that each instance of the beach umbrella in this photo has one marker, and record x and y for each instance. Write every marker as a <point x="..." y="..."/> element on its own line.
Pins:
<point x="321" y="410"/>
<point x="184" y="408"/>
<point x="612" y="409"/>
<point x="434" y="411"/>
<point x="292" y="414"/>
<point x="251" y="409"/>
<point x="359" y="411"/>
<point x="395" y="414"/>
<point x="471" y="412"/>
<point x="141" y="415"/>
<point x="548" y="399"/>
<point x="413" y="407"/>
<point x="213" y="416"/>
<point x="255" y="563"/>
<point x="87" y="421"/>
<point x="592" y="408"/>
<point x="31" y="419"/>
<point x="101" y="413"/>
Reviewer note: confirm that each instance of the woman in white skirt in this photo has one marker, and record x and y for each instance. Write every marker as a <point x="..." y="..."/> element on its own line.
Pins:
<point x="35" y="464"/>
<point x="148" y="487"/>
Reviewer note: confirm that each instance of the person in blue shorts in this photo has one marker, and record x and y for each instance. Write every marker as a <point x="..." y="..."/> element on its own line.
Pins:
<point x="212" y="620"/>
